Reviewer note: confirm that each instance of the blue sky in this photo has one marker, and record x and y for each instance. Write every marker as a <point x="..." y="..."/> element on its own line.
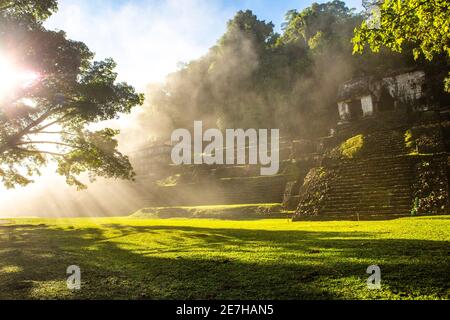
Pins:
<point x="274" y="10"/>
<point x="147" y="38"/>
<point x="270" y="10"/>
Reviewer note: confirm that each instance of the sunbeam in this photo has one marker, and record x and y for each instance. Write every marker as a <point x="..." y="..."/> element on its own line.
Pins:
<point x="13" y="76"/>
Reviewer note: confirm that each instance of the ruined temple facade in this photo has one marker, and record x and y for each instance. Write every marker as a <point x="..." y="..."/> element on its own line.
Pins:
<point x="389" y="154"/>
<point x="368" y="96"/>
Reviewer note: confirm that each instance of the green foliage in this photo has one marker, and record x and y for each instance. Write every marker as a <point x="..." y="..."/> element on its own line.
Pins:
<point x="409" y="142"/>
<point x="313" y="191"/>
<point x="71" y="93"/>
<point x="29" y="10"/>
<point x="246" y="25"/>
<point x="352" y="146"/>
<point x="424" y="24"/>
<point x="169" y="181"/>
<point x="416" y="205"/>
<point x="428" y="140"/>
<point x="431" y="189"/>
<point x="325" y="18"/>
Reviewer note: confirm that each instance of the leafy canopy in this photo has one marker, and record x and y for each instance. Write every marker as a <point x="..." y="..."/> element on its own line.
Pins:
<point x="424" y="23"/>
<point x="254" y="77"/>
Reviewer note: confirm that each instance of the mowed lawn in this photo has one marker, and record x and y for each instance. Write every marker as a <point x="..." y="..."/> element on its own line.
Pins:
<point x="131" y="258"/>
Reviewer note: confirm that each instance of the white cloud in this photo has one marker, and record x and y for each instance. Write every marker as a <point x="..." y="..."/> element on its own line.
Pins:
<point x="146" y="38"/>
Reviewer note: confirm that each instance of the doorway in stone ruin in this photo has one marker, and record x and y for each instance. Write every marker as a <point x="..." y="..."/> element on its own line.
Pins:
<point x="387" y="102"/>
<point x="355" y="109"/>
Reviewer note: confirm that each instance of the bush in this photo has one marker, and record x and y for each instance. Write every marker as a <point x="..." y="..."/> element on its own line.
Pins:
<point x="431" y="189"/>
<point x="409" y="142"/>
<point x="428" y="139"/>
<point x="313" y="191"/>
<point x="351" y="147"/>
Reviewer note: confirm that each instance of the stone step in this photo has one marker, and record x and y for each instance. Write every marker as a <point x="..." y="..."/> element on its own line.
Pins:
<point x="363" y="189"/>
<point x="374" y="176"/>
<point x="386" y="160"/>
<point x="353" y="198"/>
<point x="376" y="163"/>
<point x="366" y="207"/>
<point x="373" y="205"/>
<point x="356" y="183"/>
<point x="357" y="200"/>
<point x="380" y="175"/>
<point x="366" y="212"/>
<point x="363" y="193"/>
<point x="349" y="208"/>
<point x="374" y="168"/>
<point x="366" y="203"/>
<point x="357" y="180"/>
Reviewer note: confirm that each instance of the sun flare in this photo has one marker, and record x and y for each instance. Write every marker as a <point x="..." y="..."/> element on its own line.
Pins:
<point x="13" y="76"/>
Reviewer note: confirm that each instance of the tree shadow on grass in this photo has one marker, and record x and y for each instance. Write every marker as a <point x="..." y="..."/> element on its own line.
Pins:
<point x="182" y="262"/>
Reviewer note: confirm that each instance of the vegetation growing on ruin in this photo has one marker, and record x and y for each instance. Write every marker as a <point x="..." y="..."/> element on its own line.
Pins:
<point x="402" y="25"/>
<point x="313" y="192"/>
<point x="431" y="189"/>
<point x="352" y="146"/>
<point x="409" y="142"/>
<point x="169" y="181"/>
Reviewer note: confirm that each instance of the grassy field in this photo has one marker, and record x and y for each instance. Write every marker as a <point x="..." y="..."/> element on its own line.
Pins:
<point x="215" y="259"/>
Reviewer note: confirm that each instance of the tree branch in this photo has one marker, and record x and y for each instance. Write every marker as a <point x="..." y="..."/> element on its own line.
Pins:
<point x="53" y="132"/>
<point x="36" y="122"/>
<point x="52" y="123"/>
<point x="41" y="152"/>
<point x="45" y="142"/>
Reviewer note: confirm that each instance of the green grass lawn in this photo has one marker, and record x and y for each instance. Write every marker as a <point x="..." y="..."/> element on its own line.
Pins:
<point x="218" y="259"/>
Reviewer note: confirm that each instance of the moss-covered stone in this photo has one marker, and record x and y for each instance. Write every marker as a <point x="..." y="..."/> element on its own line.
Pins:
<point x="313" y="192"/>
<point x="351" y="147"/>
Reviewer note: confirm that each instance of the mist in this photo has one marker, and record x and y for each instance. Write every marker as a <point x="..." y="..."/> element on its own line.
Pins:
<point x="248" y="76"/>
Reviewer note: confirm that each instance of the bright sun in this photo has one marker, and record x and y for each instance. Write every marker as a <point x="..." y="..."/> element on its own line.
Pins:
<point x="12" y="77"/>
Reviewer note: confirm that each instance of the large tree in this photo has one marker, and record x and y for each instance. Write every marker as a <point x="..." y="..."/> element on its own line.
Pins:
<point x="49" y="117"/>
<point x="422" y="24"/>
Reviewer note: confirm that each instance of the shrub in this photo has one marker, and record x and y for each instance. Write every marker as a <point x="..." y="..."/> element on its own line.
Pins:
<point x="313" y="191"/>
<point x="409" y="142"/>
<point x="351" y="147"/>
<point x="431" y="189"/>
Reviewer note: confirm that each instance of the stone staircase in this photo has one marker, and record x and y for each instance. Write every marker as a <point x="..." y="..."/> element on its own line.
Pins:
<point x="385" y="121"/>
<point x="216" y="184"/>
<point x="379" y="180"/>
<point x="371" y="186"/>
<point x="382" y="144"/>
<point x="244" y="190"/>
